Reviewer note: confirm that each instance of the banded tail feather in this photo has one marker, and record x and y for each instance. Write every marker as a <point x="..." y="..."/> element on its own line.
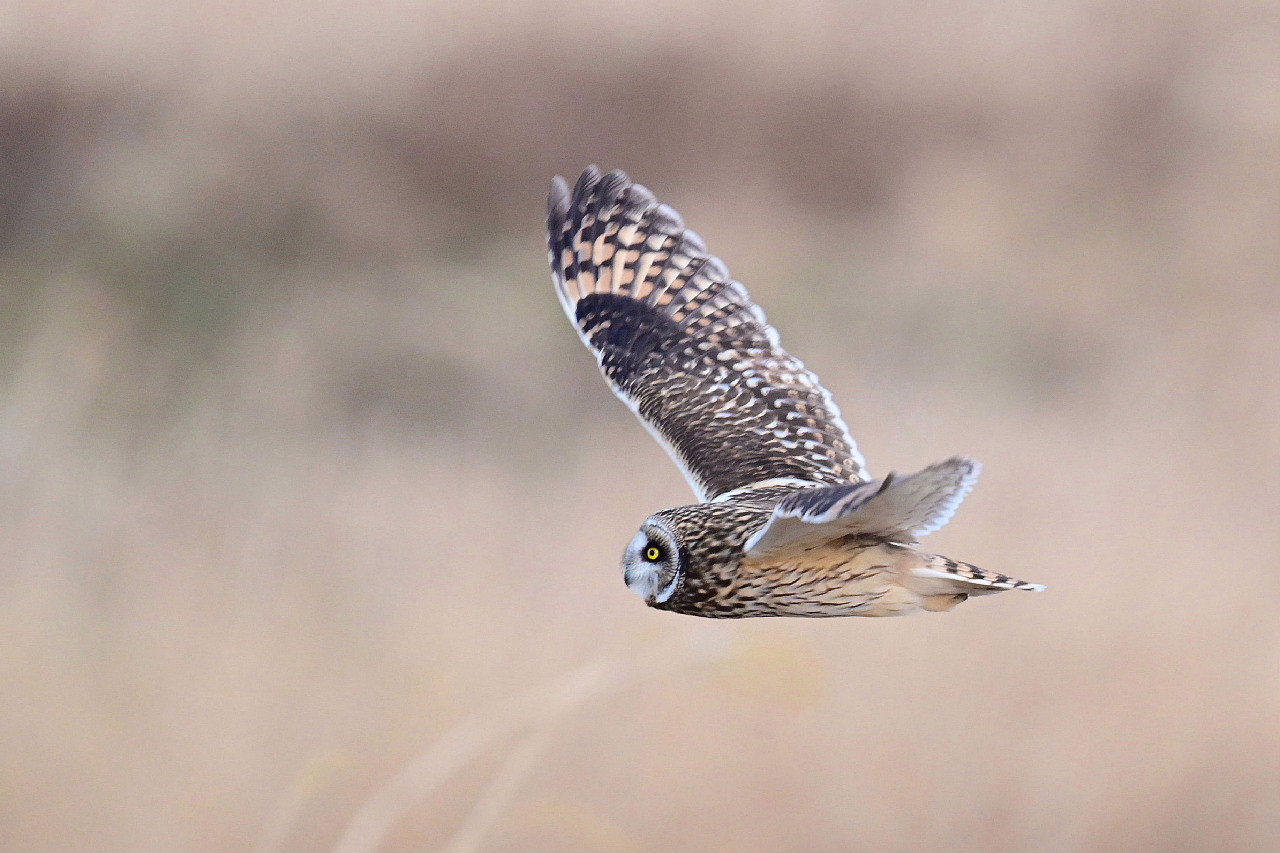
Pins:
<point x="969" y="578"/>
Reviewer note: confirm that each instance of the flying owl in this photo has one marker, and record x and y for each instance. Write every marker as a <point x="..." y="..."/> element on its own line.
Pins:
<point x="788" y="523"/>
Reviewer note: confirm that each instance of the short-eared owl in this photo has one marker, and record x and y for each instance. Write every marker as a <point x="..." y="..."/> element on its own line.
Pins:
<point x="789" y="522"/>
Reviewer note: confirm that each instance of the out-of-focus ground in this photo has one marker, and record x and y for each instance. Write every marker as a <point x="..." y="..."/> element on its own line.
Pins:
<point x="301" y="466"/>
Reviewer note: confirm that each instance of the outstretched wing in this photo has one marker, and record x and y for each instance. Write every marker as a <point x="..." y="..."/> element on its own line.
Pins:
<point x="895" y="508"/>
<point x="685" y="347"/>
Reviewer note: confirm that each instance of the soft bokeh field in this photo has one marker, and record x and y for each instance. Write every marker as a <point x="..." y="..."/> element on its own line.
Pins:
<point x="309" y="494"/>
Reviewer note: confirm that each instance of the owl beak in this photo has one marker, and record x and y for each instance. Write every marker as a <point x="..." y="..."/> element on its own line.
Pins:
<point x="633" y="584"/>
<point x="643" y="581"/>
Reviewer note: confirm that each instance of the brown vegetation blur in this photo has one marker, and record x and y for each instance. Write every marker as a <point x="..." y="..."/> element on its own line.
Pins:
<point x="303" y="474"/>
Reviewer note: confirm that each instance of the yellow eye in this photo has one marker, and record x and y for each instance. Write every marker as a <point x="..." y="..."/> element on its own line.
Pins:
<point x="653" y="554"/>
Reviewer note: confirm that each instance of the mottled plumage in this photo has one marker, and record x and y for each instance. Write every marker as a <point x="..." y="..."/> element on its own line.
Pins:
<point x="789" y="522"/>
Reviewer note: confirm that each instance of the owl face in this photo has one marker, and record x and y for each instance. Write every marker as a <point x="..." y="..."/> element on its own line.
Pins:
<point x="652" y="565"/>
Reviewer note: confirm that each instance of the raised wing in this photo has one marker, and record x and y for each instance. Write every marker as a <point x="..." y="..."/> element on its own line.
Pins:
<point x="896" y="508"/>
<point x="685" y="347"/>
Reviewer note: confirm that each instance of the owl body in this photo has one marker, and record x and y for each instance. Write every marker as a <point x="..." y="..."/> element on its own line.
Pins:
<point x="855" y="576"/>
<point x="789" y="521"/>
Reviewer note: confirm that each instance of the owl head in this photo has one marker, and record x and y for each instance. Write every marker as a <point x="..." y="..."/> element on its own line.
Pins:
<point x="653" y="563"/>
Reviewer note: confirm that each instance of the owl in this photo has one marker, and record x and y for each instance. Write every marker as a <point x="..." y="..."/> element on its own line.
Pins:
<point x="788" y="521"/>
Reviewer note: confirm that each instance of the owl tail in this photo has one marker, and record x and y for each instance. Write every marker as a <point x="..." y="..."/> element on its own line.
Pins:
<point x="944" y="582"/>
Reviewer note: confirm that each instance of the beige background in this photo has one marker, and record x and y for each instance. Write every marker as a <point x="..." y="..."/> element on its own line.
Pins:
<point x="304" y="472"/>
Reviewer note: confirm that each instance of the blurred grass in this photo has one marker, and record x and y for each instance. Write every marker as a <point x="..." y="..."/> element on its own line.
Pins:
<point x="302" y="466"/>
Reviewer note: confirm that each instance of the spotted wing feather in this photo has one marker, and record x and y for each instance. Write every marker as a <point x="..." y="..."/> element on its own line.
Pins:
<point x="899" y="509"/>
<point x="685" y="347"/>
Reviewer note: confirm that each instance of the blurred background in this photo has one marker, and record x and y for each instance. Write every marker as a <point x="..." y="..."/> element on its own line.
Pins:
<point x="311" y="502"/>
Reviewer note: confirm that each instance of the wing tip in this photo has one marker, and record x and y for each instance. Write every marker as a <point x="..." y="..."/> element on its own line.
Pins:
<point x="558" y="197"/>
<point x="586" y="183"/>
<point x="638" y="195"/>
<point x="966" y="466"/>
<point x="611" y="187"/>
<point x="592" y="189"/>
<point x="966" y="470"/>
